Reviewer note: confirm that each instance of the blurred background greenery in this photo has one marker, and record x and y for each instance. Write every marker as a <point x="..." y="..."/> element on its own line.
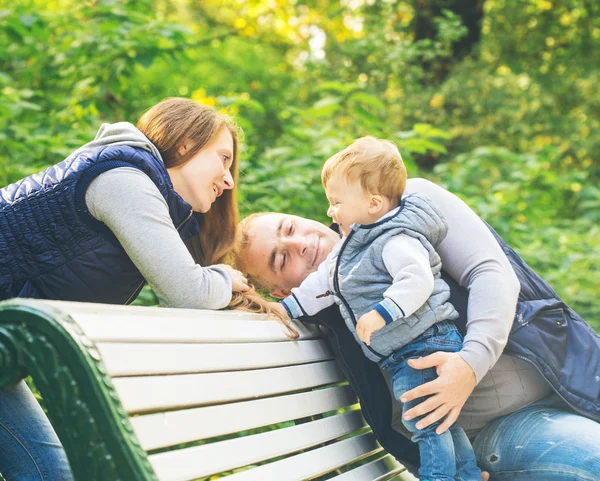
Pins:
<point x="496" y="100"/>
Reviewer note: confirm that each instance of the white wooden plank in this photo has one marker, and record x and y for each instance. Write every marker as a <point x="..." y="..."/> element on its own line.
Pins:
<point x="195" y="462"/>
<point x="156" y="393"/>
<point x="134" y="359"/>
<point x="176" y="427"/>
<point x="313" y="463"/>
<point x="112" y="323"/>
<point x="380" y="469"/>
<point x="403" y="476"/>
<point x="189" y="327"/>
<point x="89" y="308"/>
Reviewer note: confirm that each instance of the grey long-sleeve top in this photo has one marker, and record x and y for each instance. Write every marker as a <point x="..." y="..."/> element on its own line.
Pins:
<point x="128" y="202"/>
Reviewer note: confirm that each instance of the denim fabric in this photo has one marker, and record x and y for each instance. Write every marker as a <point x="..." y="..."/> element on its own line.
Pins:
<point x="545" y="441"/>
<point x="445" y="457"/>
<point x="29" y="447"/>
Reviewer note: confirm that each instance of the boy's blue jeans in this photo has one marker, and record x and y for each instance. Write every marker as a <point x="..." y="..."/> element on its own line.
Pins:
<point x="444" y="457"/>
<point x="29" y="447"/>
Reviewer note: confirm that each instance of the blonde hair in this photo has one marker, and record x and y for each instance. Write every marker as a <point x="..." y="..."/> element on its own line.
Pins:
<point x="175" y="122"/>
<point x="252" y="301"/>
<point x="376" y="164"/>
<point x="242" y="243"/>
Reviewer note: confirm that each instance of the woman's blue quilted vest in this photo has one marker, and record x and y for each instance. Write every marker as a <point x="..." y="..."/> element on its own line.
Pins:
<point x="50" y="245"/>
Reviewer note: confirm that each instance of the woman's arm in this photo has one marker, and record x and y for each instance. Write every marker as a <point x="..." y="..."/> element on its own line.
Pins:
<point x="128" y="202"/>
<point x="471" y="255"/>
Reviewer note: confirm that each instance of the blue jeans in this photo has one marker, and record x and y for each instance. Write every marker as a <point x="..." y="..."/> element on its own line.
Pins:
<point x="444" y="457"/>
<point x="544" y="441"/>
<point x="29" y="447"/>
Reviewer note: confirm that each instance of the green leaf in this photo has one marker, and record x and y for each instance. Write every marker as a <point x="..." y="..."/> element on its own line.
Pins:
<point x="367" y="99"/>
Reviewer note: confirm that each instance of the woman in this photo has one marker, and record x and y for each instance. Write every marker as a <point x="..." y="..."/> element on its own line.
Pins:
<point x="154" y="203"/>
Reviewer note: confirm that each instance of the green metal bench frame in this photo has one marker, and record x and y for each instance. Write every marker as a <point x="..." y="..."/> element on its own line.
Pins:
<point x="44" y="343"/>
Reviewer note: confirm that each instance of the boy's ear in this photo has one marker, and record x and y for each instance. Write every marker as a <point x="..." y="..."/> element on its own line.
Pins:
<point x="280" y="293"/>
<point x="376" y="203"/>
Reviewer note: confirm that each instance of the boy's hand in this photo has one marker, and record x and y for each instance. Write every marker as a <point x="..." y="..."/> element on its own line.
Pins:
<point x="239" y="282"/>
<point x="278" y="307"/>
<point x="368" y="324"/>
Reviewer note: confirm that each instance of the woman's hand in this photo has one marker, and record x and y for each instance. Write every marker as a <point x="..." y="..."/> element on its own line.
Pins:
<point x="239" y="282"/>
<point x="455" y="383"/>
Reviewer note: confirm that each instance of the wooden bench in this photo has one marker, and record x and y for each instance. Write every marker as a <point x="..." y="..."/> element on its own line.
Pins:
<point x="147" y="394"/>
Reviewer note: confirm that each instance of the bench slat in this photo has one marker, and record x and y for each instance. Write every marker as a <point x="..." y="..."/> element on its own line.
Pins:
<point x="153" y="393"/>
<point x="195" y="462"/>
<point x="78" y="308"/>
<point x="147" y="324"/>
<point x="380" y="469"/>
<point x="131" y="359"/>
<point x="176" y="427"/>
<point x="313" y="463"/>
<point x="403" y="476"/>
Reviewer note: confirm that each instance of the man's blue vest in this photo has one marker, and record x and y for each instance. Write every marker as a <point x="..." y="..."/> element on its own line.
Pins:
<point x="50" y="245"/>
<point x="555" y="339"/>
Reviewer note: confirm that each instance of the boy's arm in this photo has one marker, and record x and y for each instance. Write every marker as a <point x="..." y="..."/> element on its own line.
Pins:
<point x="407" y="261"/>
<point x="312" y="296"/>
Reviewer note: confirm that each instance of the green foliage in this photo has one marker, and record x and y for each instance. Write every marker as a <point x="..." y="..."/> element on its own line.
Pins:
<point x="544" y="208"/>
<point x="512" y="128"/>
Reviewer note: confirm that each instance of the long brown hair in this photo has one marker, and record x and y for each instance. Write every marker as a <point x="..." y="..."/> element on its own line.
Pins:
<point x="252" y="301"/>
<point x="175" y="122"/>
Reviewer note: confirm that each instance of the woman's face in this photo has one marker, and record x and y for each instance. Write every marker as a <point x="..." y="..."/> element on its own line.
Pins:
<point x="203" y="178"/>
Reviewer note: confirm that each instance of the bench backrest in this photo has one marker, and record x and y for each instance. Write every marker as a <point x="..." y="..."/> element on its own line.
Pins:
<point x="148" y="394"/>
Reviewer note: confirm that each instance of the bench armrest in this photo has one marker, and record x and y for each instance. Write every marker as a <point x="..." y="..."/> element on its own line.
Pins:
<point x="40" y="340"/>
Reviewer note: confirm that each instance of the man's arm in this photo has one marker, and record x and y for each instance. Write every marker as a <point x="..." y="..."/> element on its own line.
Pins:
<point x="471" y="255"/>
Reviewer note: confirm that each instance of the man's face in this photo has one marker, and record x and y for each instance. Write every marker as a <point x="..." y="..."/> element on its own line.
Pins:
<point x="285" y="249"/>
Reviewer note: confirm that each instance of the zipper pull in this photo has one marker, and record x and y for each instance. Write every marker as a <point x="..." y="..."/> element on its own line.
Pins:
<point x="325" y="294"/>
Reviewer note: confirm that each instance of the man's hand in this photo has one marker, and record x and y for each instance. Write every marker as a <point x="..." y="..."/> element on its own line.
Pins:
<point x="455" y="383"/>
<point x="368" y="324"/>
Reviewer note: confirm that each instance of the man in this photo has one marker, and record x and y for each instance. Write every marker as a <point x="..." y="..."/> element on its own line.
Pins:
<point x="512" y="394"/>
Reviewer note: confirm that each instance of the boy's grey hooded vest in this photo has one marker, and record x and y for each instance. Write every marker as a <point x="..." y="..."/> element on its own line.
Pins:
<point x="359" y="277"/>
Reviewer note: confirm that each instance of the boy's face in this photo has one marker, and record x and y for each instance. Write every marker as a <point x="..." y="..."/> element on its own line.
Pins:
<point x="348" y="203"/>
